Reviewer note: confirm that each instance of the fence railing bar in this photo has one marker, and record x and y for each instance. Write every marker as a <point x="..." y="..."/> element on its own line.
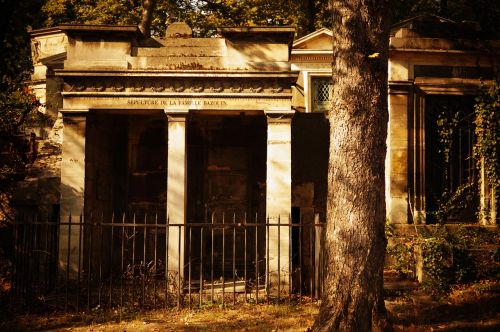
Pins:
<point x="89" y="263"/>
<point x="311" y="267"/>
<point x="212" y="259"/>
<point x="155" y="260"/>
<point x="267" y="263"/>
<point x="279" y="259"/>
<point x="234" y="260"/>
<point x="179" y="267"/>
<point x="166" y="261"/>
<point x="245" y="258"/>
<point x="300" y="259"/>
<point x="191" y="224"/>
<point x="99" y="290"/>
<point x="189" y="265"/>
<point x="99" y="260"/>
<point x="67" y="264"/>
<point x="112" y="242"/>
<point x="80" y="236"/>
<point x="134" y="233"/>
<point x="256" y="261"/>
<point x="290" y="258"/>
<point x="122" y="260"/>
<point x="223" y="260"/>
<point x="143" y="266"/>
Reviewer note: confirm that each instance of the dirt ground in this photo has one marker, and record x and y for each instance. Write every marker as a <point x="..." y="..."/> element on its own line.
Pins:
<point x="466" y="309"/>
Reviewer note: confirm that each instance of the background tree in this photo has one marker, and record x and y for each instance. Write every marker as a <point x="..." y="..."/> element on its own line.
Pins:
<point x="17" y="103"/>
<point x="485" y="12"/>
<point x="355" y="243"/>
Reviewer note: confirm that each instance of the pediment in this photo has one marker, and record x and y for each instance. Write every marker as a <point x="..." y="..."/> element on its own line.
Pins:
<point x="319" y="40"/>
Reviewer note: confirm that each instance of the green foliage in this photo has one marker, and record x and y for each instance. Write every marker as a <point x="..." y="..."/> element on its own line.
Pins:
<point x="486" y="149"/>
<point x="448" y="257"/>
<point x="404" y="259"/>
<point x="204" y="16"/>
<point x="467" y="254"/>
<point x="91" y="12"/>
<point x="452" y="202"/>
<point x="485" y="12"/>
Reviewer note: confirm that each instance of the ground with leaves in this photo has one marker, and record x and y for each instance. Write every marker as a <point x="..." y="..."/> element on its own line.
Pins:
<point x="474" y="307"/>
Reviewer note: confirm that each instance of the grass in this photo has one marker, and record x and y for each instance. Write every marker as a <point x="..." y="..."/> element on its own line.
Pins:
<point x="474" y="307"/>
<point x="240" y="318"/>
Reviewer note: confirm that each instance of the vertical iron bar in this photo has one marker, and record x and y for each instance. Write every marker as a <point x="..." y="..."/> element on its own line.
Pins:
<point x="155" y="260"/>
<point x="144" y="264"/>
<point x="15" y="271"/>
<point x="133" y="257"/>
<point x="122" y="260"/>
<point x="212" y="260"/>
<point x="300" y="258"/>
<point x="80" y="236"/>
<point x="112" y="244"/>
<point x="201" y="264"/>
<point x="245" y="256"/>
<point x="67" y="263"/>
<point x="30" y="263"/>
<point x="311" y="267"/>
<point x="179" y="267"/>
<point x="24" y="258"/>
<point x="36" y="263"/>
<point x="89" y="260"/>
<point x="234" y="259"/>
<point x="223" y="258"/>
<point x="101" y="240"/>
<point x="267" y="259"/>
<point x="279" y="258"/>
<point x="290" y="256"/>
<point x="256" y="261"/>
<point x="167" y="231"/>
<point x="189" y="265"/>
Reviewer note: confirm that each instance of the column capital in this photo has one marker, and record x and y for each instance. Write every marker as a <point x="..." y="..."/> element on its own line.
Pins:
<point x="176" y="115"/>
<point x="279" y="115"/>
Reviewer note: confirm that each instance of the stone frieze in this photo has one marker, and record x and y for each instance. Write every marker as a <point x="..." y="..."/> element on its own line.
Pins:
<point x="177" y="85"/>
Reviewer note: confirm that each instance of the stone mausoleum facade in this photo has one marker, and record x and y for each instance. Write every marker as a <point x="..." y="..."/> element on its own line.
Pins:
<point x="194" y="127"/>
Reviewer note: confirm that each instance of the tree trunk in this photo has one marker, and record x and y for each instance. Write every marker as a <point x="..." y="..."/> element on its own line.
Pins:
<point x="354" y="241"/>
<point x="443" y="8"/>
<point x="310" y="16"/>
<point x="147" y="16"/>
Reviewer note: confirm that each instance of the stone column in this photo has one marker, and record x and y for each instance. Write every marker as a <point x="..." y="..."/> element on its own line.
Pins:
<point x="397" y="155"/>
<point x="176" y="191"/>
<point x="279" y="195"/>
<point x="72" y="188"/>
<point x="487" y="200"/>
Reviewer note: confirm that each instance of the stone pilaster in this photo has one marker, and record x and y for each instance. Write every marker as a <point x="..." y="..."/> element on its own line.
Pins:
<point x="72" y="188"/>
<point x="176" y="190"/>
<point x="488" y="204"/>
<point x="397" y="155"/>
<point x="279" y="195"/>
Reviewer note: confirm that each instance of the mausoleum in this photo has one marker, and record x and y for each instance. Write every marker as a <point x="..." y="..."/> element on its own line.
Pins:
<point x="233" y="128"/>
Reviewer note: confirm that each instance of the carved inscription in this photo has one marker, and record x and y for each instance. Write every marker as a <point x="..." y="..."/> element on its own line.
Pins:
<point x="176" y="102"/>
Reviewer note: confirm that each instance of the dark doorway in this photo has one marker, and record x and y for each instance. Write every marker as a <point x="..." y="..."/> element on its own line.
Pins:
<point x="226" y="184"/>
<point x="126" y="163"/>
<point x="451" y="179"/>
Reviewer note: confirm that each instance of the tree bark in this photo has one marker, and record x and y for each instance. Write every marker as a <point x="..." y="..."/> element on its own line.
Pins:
<point x="147" y="16"/>
<point x="310" y="16"/>
<point x="354" y="240"/>
<point x="443" y="8"/>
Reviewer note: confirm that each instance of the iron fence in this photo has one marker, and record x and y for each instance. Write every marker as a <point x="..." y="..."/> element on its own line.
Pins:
<point x="145" y="262"/>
